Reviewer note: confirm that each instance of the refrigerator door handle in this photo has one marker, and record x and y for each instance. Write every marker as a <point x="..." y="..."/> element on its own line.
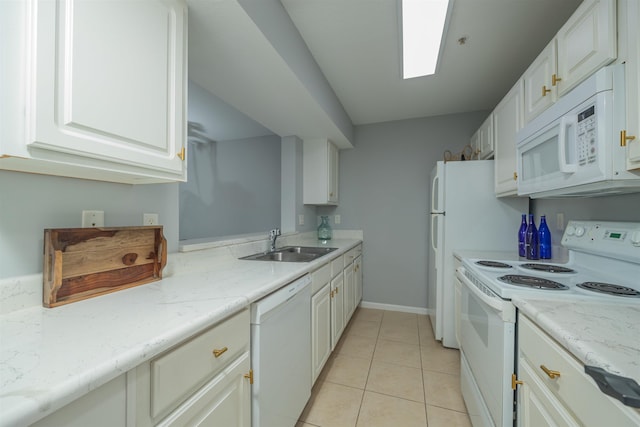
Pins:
<point x="433" y="234"/>
<point x="434" y="183"/>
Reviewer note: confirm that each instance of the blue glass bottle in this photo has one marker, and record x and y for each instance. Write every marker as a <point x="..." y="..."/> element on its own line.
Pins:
<point x="544" y="237"/>
<point x="532" y="240"/>
<point x="522" y="237"/>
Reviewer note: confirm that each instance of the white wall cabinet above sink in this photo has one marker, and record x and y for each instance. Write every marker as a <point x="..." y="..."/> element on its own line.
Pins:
<point x="320" y="172"/>
<point x="96" y="90"/>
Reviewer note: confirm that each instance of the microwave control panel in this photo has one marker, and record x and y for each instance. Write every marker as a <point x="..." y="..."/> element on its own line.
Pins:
<point x="586" y="136"/>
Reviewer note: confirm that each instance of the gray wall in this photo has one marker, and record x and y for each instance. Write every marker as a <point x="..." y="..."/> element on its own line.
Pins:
<point x="233" y="188"/>
<point x="611" y="208"/>
<point x="30" y="203"/>
<point x="385" y="191"/>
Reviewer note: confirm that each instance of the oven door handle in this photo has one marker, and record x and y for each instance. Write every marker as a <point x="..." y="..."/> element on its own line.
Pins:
<point x="505" y="309"/>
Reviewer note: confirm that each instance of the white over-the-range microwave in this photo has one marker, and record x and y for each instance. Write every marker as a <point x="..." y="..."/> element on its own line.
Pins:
<point x="572" y="148"/>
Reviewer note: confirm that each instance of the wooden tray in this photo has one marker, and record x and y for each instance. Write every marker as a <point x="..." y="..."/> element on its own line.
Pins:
<point x="81" y="263"/>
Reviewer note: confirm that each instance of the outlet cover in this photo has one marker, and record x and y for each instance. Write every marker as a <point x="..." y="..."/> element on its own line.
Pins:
<point x="337" y="219"/>
<point x="150" y="219"/>
<point x="92" y="219"/>
<point x="301" y="219"/>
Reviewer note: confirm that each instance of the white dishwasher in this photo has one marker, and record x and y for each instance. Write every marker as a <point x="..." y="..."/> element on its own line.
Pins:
<point x="281" y="355"/>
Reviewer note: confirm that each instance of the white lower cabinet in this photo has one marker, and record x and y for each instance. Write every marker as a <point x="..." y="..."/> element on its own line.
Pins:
<point x="556" y="391"/>
<point x="320" y="319"/>
<point x="203" y="381"/>
<point x="357" y="275"/>
<point x="105" y="406"/>
<point x="349" y="292"/>
<point x="337" y="309"/>
<point x="224" y="401"/>
<point x="320" y="330"/>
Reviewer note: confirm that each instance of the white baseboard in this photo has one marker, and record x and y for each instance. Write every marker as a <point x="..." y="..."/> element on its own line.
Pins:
<point x="393" y="307"/>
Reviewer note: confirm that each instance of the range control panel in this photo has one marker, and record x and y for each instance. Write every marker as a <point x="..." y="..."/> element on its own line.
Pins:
<point x="613" y="239"/>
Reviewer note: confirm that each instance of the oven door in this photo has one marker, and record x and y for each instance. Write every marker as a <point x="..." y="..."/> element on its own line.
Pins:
<point x="487" y="341"/>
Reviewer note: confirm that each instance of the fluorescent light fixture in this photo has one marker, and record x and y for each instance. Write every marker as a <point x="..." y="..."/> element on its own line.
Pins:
<point x="422" y="31"/>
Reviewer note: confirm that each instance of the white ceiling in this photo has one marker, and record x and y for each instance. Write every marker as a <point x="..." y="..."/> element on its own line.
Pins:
<point x="357" y="46"/>
<point x="277" y="61"/>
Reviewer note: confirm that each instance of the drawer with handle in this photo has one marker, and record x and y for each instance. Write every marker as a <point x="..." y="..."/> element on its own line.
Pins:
<point x="563" y="375"/>
<point x="180" y="371"/>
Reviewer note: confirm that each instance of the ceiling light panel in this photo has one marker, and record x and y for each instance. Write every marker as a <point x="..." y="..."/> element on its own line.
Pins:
<point x="423" y="23"/>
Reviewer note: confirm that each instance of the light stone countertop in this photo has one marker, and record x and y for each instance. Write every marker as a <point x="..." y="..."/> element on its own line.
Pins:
<point x="51" y="357"/>
<point x="606" y="335"/>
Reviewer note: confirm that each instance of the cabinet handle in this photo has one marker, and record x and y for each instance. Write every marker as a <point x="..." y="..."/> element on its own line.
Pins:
<point x="337" y="289"/>
<point x="249" y="376"/>
<point x="218" y="353"/>
<point x="552" y="374"/>
<point x="181" y="154"/>
<point x="545" y="90"/>
<point x="515" y="381"/>
<point x="515" y="176"/>
<point x="624" y="138"/>
<point x="555" y="79"/>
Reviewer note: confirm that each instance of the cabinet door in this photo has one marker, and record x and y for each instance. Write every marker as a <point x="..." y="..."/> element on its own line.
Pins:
<point x="333" y="173"/>
<point x="507" y="121"/>
<point x="357" y="274"/>
<point x="225" y="401"/>
<point x="105" y="406"/>
<point x="320" y="172"/>
<point x="486" y="138"/>
<point x="320" y="330"/>
<point x="539" y="93"/>
<point x="632" y="74"/>
<point x="475" y="144"/>
<point x="109" y="82"/>
<point x="337" y="309"/>
<point x="537" y="406"/>
<point x="586" y="42"/>
<point x="349" y="293"/>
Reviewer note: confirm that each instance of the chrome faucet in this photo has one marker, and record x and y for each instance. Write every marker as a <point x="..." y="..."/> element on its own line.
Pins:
<point x="273" y="235"/>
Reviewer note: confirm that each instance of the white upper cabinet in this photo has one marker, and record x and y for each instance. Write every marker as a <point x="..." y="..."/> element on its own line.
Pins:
<point x="104" y="90"/>
<point x="631" y="136"/>
<point x="482" y="141"/>
<point x="539" y="94"/>
<point x="320" y="172"/>
<point x="507" y="121"/>
<point x="585" y="43"/>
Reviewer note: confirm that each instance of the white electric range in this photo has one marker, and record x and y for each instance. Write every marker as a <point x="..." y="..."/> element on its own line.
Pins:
<point x="603" y="264"/>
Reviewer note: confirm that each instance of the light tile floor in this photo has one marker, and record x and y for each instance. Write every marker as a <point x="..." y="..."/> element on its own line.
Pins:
<point x="388" y="371"/>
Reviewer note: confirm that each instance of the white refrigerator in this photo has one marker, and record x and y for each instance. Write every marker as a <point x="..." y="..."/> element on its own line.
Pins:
<point x="465" y="215"/>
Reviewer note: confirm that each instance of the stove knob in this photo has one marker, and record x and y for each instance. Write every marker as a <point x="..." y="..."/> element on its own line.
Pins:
<point x="570" y="230"/>
<point x="580" y="231"/>
<point x="635" y="238"/>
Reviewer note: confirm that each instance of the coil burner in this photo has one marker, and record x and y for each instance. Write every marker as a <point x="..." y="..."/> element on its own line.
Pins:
<point x="532" y="282"/>
<point x="610" y="289"/>
<point x="493" y="264"/>
<point x="547" y="268"/>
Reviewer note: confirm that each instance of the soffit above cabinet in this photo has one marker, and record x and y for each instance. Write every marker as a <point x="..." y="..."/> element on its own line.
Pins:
<point x="231" y="57"/>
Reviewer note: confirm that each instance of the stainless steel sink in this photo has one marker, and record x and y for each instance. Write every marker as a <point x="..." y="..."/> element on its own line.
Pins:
<point x="291" y="254"/>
